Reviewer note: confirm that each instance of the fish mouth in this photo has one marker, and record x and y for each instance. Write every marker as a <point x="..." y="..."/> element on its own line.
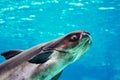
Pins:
<point x="83" y="45"/>
<point x="51" y="49"/>
<point x="86" y="44"/>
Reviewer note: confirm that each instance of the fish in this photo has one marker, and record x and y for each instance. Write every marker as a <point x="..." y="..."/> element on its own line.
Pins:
<point x="45" y="61"/>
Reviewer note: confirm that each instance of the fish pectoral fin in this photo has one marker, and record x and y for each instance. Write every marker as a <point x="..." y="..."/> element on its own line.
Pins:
<point x="41" y="58"/>
<point x="57" y="76"/>
<point x="11" y="53"/>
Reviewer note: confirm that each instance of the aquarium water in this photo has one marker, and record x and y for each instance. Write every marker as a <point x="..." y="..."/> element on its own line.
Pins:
<point x="26" y="23"/>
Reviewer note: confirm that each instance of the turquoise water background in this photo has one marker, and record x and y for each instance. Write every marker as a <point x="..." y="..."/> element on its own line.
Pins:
<point x="25" y="23"/>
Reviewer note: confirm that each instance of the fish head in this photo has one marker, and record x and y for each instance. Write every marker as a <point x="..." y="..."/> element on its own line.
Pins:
<point x="72" y="46"/>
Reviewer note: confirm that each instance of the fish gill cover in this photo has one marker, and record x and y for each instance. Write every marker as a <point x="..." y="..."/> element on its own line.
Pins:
<point x="25" y="23"/>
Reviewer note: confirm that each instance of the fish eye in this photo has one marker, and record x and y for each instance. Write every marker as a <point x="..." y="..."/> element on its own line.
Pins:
<point x="74" y="38"/>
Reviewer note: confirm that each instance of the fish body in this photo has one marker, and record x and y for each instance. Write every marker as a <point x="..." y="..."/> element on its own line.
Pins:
<point x="45" y="61"/>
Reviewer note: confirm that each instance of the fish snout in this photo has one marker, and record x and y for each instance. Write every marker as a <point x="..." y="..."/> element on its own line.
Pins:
<point x="84" y="34"/>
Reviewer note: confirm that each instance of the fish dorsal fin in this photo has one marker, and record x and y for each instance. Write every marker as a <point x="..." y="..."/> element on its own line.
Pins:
<point x="11" y="53"/>
<point x="41" y="58"/>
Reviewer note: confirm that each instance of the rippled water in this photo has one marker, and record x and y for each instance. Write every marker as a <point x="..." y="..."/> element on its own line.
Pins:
<point x="25" y="23"/>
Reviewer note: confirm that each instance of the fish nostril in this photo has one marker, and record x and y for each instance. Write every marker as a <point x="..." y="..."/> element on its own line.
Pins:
<point x="86" y="33"/>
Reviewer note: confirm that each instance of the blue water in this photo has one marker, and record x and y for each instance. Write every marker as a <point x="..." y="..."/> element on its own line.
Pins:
<point x="25" y="23"/>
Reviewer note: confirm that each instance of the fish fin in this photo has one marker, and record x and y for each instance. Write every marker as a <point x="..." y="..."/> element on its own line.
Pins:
<point x="41" y="58"/>
<point x="11" y="53"/>
<point x="56" y="77"/>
